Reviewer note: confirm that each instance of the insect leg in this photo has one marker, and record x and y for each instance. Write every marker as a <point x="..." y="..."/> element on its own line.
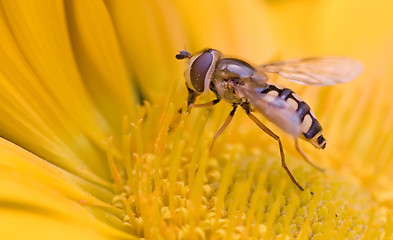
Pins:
<point x="276" y="137"/>
<point x="222" y="128"/>
<point x="192" y="95"/>
<point x="208" y="104"/>
<point x="305" y="156"/>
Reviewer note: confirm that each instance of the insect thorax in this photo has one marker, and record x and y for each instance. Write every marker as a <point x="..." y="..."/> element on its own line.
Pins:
<point x="230" y="72"/>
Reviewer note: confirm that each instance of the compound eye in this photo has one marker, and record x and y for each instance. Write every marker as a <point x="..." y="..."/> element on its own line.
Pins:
<point x="199" y="70"/>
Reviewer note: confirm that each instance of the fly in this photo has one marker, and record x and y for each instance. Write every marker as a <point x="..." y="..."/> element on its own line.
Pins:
<point x="247" y="86"/>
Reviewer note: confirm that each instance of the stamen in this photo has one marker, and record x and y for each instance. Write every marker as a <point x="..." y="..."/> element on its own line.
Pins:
<point x="118" y="183"/>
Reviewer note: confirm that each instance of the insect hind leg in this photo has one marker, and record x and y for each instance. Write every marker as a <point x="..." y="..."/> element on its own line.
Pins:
<point x="277" y="138"/>
<point x="305" y="157"/>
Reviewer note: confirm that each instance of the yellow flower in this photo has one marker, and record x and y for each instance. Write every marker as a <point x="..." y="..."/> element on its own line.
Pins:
<point x="89" y="90"/>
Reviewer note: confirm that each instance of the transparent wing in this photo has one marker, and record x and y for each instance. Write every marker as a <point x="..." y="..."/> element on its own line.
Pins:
<point x="316" y="71"/>
<point x="274" y="109"/>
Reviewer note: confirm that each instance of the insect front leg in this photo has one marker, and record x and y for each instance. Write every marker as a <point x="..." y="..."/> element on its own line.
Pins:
<point x="208" y="104"/>
<point x="277" y="138"/>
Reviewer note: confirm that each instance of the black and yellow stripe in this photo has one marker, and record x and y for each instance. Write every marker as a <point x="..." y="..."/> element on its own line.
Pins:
<point x="312" y="130"/>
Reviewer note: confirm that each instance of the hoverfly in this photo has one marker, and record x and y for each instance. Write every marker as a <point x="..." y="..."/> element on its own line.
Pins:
<point x="247" y="86"/>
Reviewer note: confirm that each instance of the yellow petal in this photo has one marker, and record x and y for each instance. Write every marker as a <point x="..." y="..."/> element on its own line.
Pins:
<point x="100" y="60"/>
<point x="43" y="53"/>
<point x="46" y="106"/>
<point x="150" y="35"/>
<point x="37" y="195"/>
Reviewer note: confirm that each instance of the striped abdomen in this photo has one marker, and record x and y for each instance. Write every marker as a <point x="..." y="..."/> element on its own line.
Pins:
<point x="312" y="130"/>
